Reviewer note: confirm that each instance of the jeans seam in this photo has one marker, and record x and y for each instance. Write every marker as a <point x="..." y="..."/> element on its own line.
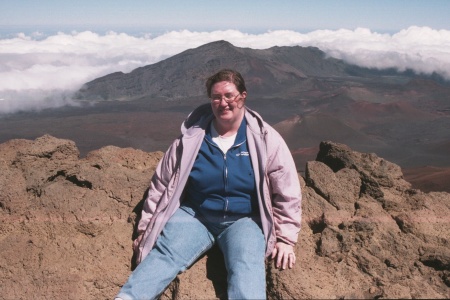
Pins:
<point x="197" y="255"/>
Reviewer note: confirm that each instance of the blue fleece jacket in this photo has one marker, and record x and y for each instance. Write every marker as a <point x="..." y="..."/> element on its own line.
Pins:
<point x="223" y="184"/>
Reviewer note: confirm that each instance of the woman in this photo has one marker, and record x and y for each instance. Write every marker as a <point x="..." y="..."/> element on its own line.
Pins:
<point x="228" y="179"/>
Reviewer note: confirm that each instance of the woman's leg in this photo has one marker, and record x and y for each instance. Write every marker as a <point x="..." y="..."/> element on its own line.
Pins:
<point x="182" y="241"/>
<point x="243" y="248"/>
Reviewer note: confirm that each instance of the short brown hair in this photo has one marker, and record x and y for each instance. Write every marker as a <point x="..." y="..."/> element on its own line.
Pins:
<point x="226" y="75"/>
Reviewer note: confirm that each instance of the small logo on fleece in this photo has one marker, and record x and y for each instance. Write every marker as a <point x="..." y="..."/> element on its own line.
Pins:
<point x="242" y="153"/>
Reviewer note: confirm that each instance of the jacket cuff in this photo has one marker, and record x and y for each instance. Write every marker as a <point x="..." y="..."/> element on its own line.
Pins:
<point x="285" y="241"/>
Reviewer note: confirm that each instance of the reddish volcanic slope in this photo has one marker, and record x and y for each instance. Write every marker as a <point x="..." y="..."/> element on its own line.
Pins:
<point x="428" y="178"/>
<point x="307" y="96"/>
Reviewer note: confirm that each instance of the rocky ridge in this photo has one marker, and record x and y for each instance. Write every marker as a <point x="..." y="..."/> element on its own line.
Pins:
<point x="66" y="228"/>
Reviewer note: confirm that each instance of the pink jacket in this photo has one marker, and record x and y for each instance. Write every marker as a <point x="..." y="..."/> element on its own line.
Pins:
<point x="279" y="194"/>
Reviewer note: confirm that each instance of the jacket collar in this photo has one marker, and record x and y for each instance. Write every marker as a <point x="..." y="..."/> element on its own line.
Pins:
<point x="241" y="134"/>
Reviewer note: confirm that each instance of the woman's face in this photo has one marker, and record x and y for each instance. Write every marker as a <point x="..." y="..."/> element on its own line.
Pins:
<point x="227" y="103"/>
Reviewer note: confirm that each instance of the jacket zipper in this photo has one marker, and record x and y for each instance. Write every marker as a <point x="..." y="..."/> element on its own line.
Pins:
<point x="225" y="185"/>
<point x="225" y="174"/>
<point x="226" y="177"/>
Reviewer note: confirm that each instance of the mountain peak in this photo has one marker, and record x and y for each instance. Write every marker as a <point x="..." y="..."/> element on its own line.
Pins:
<point x="184" y="74"/>
<point x="219" y="43"/>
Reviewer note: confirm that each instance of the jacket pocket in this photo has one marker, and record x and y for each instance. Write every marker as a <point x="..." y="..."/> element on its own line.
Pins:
<point x="239" y="206"/>
<point x="213" y="204"/>
<point x="233" y="205"/>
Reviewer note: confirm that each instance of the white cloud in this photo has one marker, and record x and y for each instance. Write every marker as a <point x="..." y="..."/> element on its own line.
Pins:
<point x="50" y="67"/>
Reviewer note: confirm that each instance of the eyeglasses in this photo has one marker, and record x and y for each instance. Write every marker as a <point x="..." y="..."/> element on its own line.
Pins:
<point x="229" y="98"/>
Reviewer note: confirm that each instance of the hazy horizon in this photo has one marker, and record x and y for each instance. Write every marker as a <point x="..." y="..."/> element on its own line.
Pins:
<point x="252" y="16"/>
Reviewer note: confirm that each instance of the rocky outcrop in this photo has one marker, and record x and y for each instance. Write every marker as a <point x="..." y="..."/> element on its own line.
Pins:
<point x="67" y="226"/>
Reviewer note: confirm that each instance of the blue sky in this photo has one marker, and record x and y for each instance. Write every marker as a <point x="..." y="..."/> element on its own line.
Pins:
<point x="136" y="16"/>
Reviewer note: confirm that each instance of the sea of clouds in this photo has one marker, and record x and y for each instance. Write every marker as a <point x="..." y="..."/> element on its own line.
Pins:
<point x="38" y="71"/>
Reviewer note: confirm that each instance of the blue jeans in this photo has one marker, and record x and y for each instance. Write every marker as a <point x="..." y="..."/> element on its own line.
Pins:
<point x="184" y="239"/>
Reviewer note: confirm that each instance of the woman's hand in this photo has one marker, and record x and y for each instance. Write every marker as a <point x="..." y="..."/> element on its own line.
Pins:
<point x="283" y="255"/>
<point x="137" y="241"/>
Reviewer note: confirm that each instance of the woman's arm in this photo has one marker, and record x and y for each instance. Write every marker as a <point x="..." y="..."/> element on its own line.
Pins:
<point x="286" y="200"/>
<point x="160" y="179"/>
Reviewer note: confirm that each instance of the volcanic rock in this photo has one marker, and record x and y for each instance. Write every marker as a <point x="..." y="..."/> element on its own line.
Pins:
<point x="67" y="225"/>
